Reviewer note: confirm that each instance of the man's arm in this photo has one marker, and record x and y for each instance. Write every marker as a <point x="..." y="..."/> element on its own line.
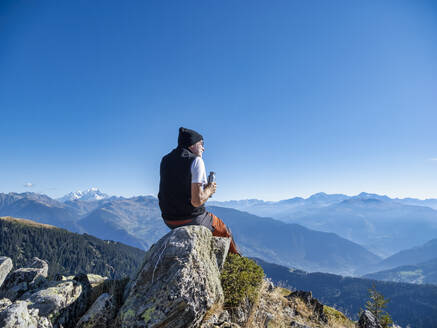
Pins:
<point x="200" y="195"/>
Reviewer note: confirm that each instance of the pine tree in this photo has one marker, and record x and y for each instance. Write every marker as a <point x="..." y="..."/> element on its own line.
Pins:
<point x="376" y="305"/>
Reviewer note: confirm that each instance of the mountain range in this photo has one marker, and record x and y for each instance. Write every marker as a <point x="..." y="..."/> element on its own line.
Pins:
<point x="381" y="224"/>
<point x="137" y="222"/>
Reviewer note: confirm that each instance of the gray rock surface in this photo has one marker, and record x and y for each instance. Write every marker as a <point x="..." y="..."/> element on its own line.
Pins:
<point x="56" y="304"/>
<point x="367" y="320"/>
<point x="178" y="281"/>
<point x="18" y="315"/>
<point x="5" y="267"/>
<point x="94" y="279"/>
<point x="312" y="303"/>
<point x="221" y="249"/>
<point x="57" y="296"/>
<point x="38" y="264"/>
<point x="100" y="314"/>
<point x="71" y="314"/>
<point x="25" y="279"/>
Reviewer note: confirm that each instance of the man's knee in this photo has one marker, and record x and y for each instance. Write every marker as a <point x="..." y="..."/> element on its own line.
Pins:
<point x="220" y="228"/>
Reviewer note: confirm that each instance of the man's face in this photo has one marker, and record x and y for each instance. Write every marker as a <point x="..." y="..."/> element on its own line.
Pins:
<point x="197" y="148"/>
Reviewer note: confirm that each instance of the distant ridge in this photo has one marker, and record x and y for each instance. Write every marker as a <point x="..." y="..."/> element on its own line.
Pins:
<point x="382" y="224"/>
<point x="28" y="222"/>
<point x="412" y="256"/>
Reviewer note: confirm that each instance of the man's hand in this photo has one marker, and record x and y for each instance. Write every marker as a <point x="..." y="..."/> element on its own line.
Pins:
<point x="200" y="195"/>
<point x="212" y="188"/>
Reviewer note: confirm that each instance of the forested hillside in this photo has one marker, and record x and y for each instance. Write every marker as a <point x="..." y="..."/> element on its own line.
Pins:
<point x="66" y="252"/>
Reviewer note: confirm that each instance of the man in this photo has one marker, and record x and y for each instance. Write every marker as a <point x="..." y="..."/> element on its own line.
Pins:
<point x="184" y="189"/>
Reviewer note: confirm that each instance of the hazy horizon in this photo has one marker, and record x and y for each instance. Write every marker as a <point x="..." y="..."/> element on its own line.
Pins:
<point x="56" y="196"/>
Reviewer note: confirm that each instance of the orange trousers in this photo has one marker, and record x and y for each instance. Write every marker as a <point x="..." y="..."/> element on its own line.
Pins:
<point x="221" y="230"/>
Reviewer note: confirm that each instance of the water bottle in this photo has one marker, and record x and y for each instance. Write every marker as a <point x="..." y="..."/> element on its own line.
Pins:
<point x="211" y="177"/>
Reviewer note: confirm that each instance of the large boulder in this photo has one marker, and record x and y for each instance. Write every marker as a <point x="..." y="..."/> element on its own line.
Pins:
<point x="178" y="281"/>
<point x="5" y="267"/>
<point x="100" y="314"/>
<point x="22" y="280"/>
<point x="368" y="320"/>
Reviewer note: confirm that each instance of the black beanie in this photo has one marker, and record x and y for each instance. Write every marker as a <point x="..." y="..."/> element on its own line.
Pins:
<point x="188" y="137"/>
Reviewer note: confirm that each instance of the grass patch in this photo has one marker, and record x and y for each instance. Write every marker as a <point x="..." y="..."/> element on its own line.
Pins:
<point x="336" y="317"/>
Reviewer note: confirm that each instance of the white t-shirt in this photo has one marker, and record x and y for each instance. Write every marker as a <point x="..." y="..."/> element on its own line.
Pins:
<point x="198" y="172"/>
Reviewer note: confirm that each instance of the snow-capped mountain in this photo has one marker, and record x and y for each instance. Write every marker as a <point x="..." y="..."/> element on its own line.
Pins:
<point x="87" y="195"/>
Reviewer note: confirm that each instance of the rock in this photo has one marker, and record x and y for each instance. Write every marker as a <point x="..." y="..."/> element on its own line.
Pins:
<point x="298" y="325"/>
<point x="18" y="315"/>
<point x="178" y="281"/>
<point x="58" y="304"/>
<point x="57" y="296"/>
<point x="312" y="303"/>
<point x="5" y="267"/>
<point x="94" y="279"/>
<point x="368" y="320"/>
<point x="241" y="314"/>
<point x="221" y="249"/>
<point x="71" y="314"/>
<point x="270" y="285"/>
<point x="24" y="279"/>
<point x="100" y="314"/>
<point x="216" y="319"/>
<point x="39" y="264"/>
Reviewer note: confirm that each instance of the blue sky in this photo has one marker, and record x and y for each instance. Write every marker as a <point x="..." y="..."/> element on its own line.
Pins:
<point x="292" y="97"/>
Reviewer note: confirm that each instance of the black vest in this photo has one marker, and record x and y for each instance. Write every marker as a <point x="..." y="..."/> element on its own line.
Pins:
<point x="175" y="186"/>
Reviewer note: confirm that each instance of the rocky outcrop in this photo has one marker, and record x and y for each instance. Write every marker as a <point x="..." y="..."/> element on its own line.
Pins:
<point x="24" y="279"/>
<point x="368" y="320"/>
<point x="30" y="300"/>
<point x="178" y="281"/>
<point x="58" y="304"/>
<point x="5" y="268"/>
